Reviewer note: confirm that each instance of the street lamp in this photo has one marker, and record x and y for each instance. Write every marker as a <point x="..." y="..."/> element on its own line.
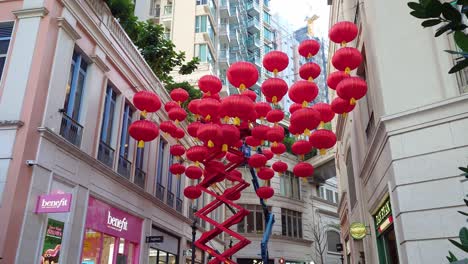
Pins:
<point x="339" y="248"/>
<point x="194" y="233"/>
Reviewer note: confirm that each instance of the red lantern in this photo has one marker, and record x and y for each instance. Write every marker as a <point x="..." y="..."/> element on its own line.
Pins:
<point x="303" y="92"/>
<point x="259" y="132"/>
<point x="178" y="133"/>
<point x="177" y="114"/>
<point x="268" y="154"/>
<point x="341" y="106"/>
<point x="193" y="107"/>
<point x="279" y="149"/>
<point x="250" y="94"/>
<point x="274" y="88"/>
<point x="323" y="139"/>
<point x="301" y="147"/>
<point x="326" y="113"/>
<point x="335" y="78"/>
<point x="193" y="172"/>
<point x="143" y="131"/>
<point x="352" y="89"/>
<point x="295" y="130"/>
<point x="347" y="59"/>
<point x="230" y="136"/>
<point x="210" y="134"/>
<point x="275" y="135"/>
<point x="192" y="129"/>
<point x="212" y="96"/>
<point x="192" y="192"/>
<point x="196" y="154"/>
<point x="238" y="107"/>
<point x="209" y="108"/>
<point x="177" y="169"/>
<point x="234" y="158"/>
<point x="309" y="48"/>
<point x="294" y="107"/>
<point x="305" y="119"/>
<point x="238" y="144"/>
<point x="234" y="175"/>
<point x="275" y="116"/>
<point x="253" y="142"/>
<point x="169" y="105"/>
<point x="265" y="173"/>
<point x="242" y="74"/>
<point x="257" y="161"/>
<point x="280" y="167"/>
<point x="275" y="61"/>
<point x="210" y="84"/>
<point x="303" y="170"/>
<point x="265" y="192"/>
<point x="309" y="71"/>
<point x="167" y="127"/>
<point x="343" y="32"/>
<point x="262" y="109"/>
<point x="177" y="150"/>
<point x="179" y="95"/>
<point x="146" y="101"/>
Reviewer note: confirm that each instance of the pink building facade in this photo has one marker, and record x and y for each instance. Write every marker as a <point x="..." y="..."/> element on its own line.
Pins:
<point x="67" y="76"/>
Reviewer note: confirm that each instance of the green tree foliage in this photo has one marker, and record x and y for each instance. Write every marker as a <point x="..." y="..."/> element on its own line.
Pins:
<point x="449" y="18"/>
<point x="159" y="52"/>
<point x="463" y="234"/>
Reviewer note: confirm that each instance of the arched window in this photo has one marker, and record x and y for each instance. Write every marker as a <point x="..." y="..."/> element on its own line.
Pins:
<point x="333" y="238"/>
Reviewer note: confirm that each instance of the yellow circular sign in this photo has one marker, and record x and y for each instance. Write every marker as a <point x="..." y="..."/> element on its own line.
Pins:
<point x="358" y="230"/>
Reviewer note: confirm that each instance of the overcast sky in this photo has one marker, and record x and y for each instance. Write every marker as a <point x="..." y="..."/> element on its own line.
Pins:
<point x="295" y="12"/>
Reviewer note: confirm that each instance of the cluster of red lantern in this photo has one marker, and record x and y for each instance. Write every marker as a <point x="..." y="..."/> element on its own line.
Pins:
<point x="144" y="130"/>
<point x="346" y="59"/>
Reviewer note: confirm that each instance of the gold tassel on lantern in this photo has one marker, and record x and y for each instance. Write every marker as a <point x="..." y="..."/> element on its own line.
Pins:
<point x="143" y="114"/>
<point x="304" y="104"/>
<point x="347" y="70"/>
<point x="224" y="148"/>
<point x="275" y="72"/>
<point x="141" y="144"/>
<point x="343" y="44"/>
<point x="310" y="79"/>
<point x="307" y="132"/>
<point x="321" y="125"/>
<point x="236" y="121"/>
<point x="304" y="179"/>
<point x="323" y="151"/>
<point x="242" y="87"/>
<point x="352" y="101"/>
<point x="210" y="144"/>
<point x="197" y="163"/>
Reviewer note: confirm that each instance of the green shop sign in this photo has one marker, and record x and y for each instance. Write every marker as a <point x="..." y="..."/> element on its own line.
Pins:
<point x="383" y="216"/>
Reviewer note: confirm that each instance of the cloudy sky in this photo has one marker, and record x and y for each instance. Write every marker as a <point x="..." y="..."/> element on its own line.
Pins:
<point x="295" y="12"/>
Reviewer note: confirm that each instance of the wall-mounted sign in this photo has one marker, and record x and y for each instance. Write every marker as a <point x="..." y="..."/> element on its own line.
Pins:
<point x="154" y="239"/>
<point x="383" y="218"/>
<point x="358" y="230"/>
<point x="52" y="241"/>
<point x="54" y="203"/>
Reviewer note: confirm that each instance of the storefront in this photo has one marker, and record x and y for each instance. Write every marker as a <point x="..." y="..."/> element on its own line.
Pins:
<point x="111" y="235"/>
<point x="199" y="254"/>
<point x="166" y="252"/>
<point x="386" y="241"/>
<point x="253" y="261"/>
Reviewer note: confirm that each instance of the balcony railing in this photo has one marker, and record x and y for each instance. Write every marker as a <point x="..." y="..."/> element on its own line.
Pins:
<point x="251" y="4"/>
<point x="160" y="191"/>
<point x="168" y="10"/>
<point x="252" y="41"/>
<point x="224" y="54"/>
<point x="106" y="154"/>
<point x="71" y="130"/>
<point x="254" y="59"/>
<point x="125" y="167"/>
<point x="253" y="22"/>
<point x="140" y="177"/>
<point x="178" y="205"/>
<point x="170" y="199"/>
<point x="233" y="57"/>
<point x="155" y="12"/>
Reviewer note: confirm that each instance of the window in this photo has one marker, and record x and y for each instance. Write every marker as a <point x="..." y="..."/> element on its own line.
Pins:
<point x="160" y="189"/>
<point x="5" y="36"/>
<point x="329" y="195"/>
<point x="70" y="128"/>
<point x="268" y="49"/>
<point x="125" y="165"/>
<point x="266" y="17"/>
<point x="333" y="238"/>
<point x="268" y="34"/>
<point x="140" y="174"/>
<point x="254" y="222"/>
<point x="170" y="194"/>
<point x="351" y="183"/>
<point x="204" y="53"/>
<point x="290" y="185"/>
<point x="201" y="24"/>
<point x="291" y="223"/>
<point x="105" y="151"/>
<point x="202" y="2"/>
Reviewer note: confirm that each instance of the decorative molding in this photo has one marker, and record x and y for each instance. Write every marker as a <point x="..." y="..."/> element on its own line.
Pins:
<point x="67" y="27"/>
<point x="11" y="123"/>
<point x="316" y="198"/>
<point x="100" y="63"/>
<point x="31" y="12"/>
<point x="63" y="144"/>
<point x="326" y="212"/>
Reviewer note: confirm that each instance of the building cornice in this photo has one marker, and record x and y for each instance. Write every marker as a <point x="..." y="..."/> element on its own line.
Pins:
<point x="304" y="242"/>
<point x="67" y="27"/>
<point x="11" y="124"/>
<point x="60" y="142"/>
<point x="324" y="201"/>
<point x="31" y="12"/>
<point x="329" y="213"/>
<point x="100" y="63"/>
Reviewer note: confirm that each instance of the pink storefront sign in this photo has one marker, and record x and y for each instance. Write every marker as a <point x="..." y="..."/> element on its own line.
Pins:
<point x="54" y="203"/>
<point x="110" y="220"/>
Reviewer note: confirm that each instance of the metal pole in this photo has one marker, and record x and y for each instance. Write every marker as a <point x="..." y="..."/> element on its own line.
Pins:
<point x="194" y="233"/>
<point x="342" y="258"/>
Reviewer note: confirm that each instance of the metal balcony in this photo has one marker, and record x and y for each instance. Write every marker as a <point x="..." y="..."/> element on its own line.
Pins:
<point x="160" y="192"/>
<point x="233" y="57"/>
<point x="224" y="58"/>
<point x="224" y="9"/>
<point x="170" y="199"/>
<point x="235" y="15"/>
<point x="224" y="36"/>
<point x="168" y="10"/>
<point x="124" y="167"/>
<point x="105" y="154"/>
<point x="254" y="59"/>
<point x="140" y="178"/>
<point x="155" y="12"/>
<point x="71" y="130"/>
<point x="253" y="8"/>
<point x="253" y="25"/>
<point x="253" y="43"/>
<point x="179" y="203"/>
<point x="234" y="36"/>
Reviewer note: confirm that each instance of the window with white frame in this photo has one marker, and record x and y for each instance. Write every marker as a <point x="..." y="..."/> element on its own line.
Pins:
<point x="6" y="30"/>
<point x="327" y="194"/>
<point x="254" y="222"/>
<point x="333" y="238"/>
<point x="291" y="223"/>
<point x="290" y="185"/>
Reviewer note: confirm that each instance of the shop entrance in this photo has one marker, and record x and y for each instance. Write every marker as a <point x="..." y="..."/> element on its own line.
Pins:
<point x="104" y="249"/>
<point x="386" y="240"/>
